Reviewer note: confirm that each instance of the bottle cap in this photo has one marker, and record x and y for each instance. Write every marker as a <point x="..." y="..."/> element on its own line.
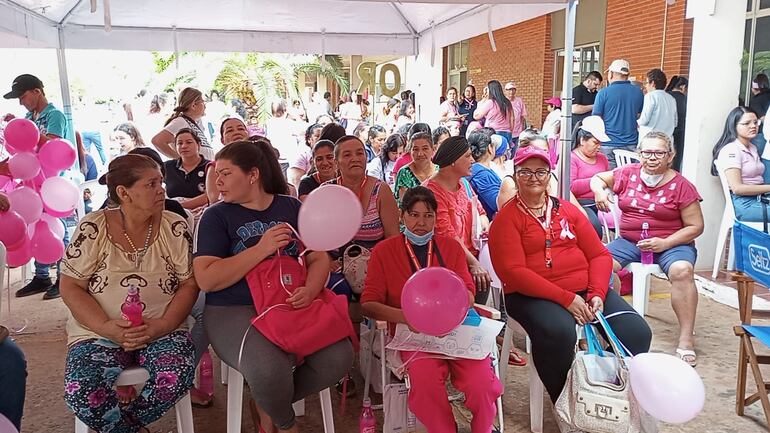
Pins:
<point x="645" y="226"/>
<point x="132" y="289"/>
<point x="367" y="402"/>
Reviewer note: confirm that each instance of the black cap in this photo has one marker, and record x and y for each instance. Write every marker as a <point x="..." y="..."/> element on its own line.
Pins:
<point x="21" y="84"/>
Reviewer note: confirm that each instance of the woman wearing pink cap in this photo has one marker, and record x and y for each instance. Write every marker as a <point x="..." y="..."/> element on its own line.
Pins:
<point x="555" y="272"/>
<point x="552" y="123"/>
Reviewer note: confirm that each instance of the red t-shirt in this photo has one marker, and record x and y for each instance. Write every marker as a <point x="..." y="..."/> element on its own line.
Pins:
<point x="661" y="207"/>
<point x="517" y="248"/>
<point x="389" y="268"/>
<point x="454" y="217"/>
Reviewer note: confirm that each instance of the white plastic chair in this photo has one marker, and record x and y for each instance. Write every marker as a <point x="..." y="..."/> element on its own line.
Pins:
<point x="625" y="157"/>
<point x="726" y="226"/>
<point x="235" y="404"/>
<point x="137" y="376"/>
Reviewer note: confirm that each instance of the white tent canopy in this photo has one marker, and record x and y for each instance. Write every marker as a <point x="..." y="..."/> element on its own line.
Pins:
<point x="368" y="27"/>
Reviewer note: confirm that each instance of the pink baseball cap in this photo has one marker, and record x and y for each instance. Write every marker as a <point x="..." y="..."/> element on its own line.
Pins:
<point x="525" y="153"/>
<point x="556" y="102"/>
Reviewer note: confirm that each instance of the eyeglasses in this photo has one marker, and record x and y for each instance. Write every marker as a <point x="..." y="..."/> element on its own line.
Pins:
<point x="653" y="153"/>
<point x="527" y="174"/>
<point x="750" y="123"/>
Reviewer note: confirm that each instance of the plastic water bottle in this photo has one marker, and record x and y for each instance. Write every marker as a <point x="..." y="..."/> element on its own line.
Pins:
<point x="206" y="379"/>
<point x="132" y="306"/>
<point x="366" y="423"/>
<point x="647" y="258"/>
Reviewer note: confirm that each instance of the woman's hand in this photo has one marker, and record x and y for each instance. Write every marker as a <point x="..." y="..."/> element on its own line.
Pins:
<point x="655" y="245"/>
<point x="580" y="310"/>
<point x="302" y="297"/>
<point x="597" y="305"/>
<point x="481" y="277"/>
<point x="139" y="336"/>
<point x="4" y="203"/>
<point x="115" y="330"/>
<point x="603" y="201"/>
<point x="275" y="238"/>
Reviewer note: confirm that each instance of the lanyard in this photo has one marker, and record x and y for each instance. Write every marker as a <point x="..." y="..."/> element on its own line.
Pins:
<point x="360" y="190"/>
<point x="545" y="225"/>
<point x="413" y="256"/>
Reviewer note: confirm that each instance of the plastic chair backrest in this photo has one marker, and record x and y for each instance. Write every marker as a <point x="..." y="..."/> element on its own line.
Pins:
<point x="625" y="157"/>
<point x="729" y="209"/>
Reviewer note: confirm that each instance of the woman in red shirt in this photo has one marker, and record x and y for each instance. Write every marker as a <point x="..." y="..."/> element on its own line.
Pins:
<point x="555" y="272"/>
<point x="393" y="261"/>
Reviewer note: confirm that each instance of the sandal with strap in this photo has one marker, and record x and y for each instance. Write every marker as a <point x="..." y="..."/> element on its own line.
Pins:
<point x="514" y="358"/>
<point x="687" y="355"/>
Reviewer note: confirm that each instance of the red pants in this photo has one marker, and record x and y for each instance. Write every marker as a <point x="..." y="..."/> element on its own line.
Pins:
<point x="428" y="399"/>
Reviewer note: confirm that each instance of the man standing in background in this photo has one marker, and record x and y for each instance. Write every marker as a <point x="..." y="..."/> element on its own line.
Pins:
<point x="519" y="111"/>
<point x="584" y="95"/>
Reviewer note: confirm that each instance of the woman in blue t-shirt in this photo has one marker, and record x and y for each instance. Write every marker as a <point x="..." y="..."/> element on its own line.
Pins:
<point x="483" y="179"/>
<point x="235" y="235"/>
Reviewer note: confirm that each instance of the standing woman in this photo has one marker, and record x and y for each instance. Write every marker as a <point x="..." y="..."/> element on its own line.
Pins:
<point x="449" y="114"/>
<point x="234" y="236"/>
<point x="382" y="166"/>
<point x="325" y="169"/>
<point x="185" y="176"/>
<point x="497" y="110"/>
<point x="467" y="108"/>
<point x="187" y="114"/>
<point x="420" y="169"/>
<point x="460" y="216"/>
<point x="405" y="113"/>
<point x="350" y="113"/>
<point x="677" y="88"/>
<point x="127" y="137"/>
<point x="304" y="161"/>
<point x="375" y="138"/>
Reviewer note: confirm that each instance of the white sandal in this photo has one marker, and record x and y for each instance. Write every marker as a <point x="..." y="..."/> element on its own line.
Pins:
<point x="682" y="353"/>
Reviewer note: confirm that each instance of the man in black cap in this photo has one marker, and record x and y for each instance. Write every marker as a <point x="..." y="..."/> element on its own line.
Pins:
<point x="52" y="123"/>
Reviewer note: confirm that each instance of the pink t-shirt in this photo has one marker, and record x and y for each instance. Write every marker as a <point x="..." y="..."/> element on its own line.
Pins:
<point x="661" y="206"/>
<point x="402" y="161"/>
<point x="736" y="155"/>
<point x="494" y="118"/>
<point x="519" y="114"/>
<point x="580" y="173"/>
<point x="454" y="217"/>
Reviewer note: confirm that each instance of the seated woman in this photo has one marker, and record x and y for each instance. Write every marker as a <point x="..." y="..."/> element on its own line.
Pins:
<point x="302" y="164"/>
<point x="408" y="131"/>
<point x="185" y="177"/>
<point x="420" y="169"/>
<point x="587" y="161"/>
<point x="381" y="167"/>
<point x="742" y="165"/>
<point x="460" y="216"/>
<point x="325" y="169"/>
<point x="235" y="235"/>
<point x="554" y="282"/>
<point x="393" y="261"/>
<point x="136" y="244"/>
<point x="654" y="193"/>
<point x="484" y="179"/>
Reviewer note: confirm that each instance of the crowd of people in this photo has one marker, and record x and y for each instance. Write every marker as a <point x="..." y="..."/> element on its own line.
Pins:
<point x="432" y="195"/>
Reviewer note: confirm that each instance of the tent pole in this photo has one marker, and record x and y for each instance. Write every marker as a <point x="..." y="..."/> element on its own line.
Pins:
<point x="566" y="99"/>
<point x="65" y="90"/>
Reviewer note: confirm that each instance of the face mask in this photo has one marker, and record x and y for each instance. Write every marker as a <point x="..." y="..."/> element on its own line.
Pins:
<point x="417" y="239"/>
<point x="651" y="180"/>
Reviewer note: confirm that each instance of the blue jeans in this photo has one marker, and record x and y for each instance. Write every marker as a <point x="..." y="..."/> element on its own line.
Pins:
<point x="42" y="271"/>
<point x="95" y="138"/>
<point x="198" y="332"/>
<point x="748" y="208"/>
<point x="761" y="141"/>
<point x="13" y="381"/>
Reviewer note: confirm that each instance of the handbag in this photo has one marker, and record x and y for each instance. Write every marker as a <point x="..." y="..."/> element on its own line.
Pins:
<point x="355" y="259"/>
<point x="302" y="331"/>
<point x="597" y="396"/>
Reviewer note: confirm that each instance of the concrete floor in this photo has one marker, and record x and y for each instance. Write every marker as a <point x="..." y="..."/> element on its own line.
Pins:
<point x="45" y="411"/>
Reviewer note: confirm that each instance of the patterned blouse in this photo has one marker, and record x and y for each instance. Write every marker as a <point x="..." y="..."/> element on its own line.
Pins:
<point x="92" y="256"/>
<point x="371" y="230"/>
<point x="406" y="179"/>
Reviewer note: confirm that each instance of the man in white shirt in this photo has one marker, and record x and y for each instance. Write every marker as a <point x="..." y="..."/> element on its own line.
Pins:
<point x="280" y="131"/>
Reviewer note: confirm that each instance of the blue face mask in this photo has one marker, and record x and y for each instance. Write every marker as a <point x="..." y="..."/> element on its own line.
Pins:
<point x="417" y="239"/>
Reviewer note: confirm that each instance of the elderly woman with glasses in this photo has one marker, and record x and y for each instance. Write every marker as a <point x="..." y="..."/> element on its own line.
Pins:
<point x="653" y="194"/>
<point x="555" y="272"/>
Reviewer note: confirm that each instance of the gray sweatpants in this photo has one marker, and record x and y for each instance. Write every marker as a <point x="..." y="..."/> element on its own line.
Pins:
<point x="270" y="372"/>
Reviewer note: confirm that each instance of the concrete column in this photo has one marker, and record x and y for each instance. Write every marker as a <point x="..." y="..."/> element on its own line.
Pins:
<point x="715" y="75"/>
<point x="425" y="81"/>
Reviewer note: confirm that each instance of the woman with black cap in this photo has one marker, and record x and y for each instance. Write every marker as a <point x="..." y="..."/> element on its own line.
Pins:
<point x="460" y="215"/>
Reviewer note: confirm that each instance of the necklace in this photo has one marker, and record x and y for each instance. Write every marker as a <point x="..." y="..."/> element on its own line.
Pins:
<point x="138" y="254"/>
<point x="360" y="191"/>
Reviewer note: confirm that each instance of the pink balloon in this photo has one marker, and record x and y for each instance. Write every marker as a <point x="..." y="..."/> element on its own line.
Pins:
<point x="26" y="202"/>
<point x="435" y="301"/>
<point x="54" y="224"/>
<point x="12" y="229"/>
<point x="46" y="247"/>
<point x="10" y="149"/>
<point x="24" y="165"/>
<point x="21" y="255"/>
<point x="22" y="134"/>
<point x="57" y="154"/>
<point x="329" y="218"/>
<point x="6" y="426"/>
<point x="60" y="196"/>
<point x="666" y="387"/>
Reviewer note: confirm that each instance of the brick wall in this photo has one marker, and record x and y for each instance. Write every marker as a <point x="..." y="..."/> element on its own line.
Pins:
<point x="634" y="31"/>
<point x="524" y="56"/>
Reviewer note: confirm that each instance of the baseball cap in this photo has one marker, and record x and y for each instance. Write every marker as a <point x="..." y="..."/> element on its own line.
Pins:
<point x="510" y="85"/>
<point x="595" y="125"/>
<point x="620" y="66"/>
<point x="525" y="153"/>
<point x="500" y="143"/>
<point x="556" y="102"/>
<point x="21" y="84"/>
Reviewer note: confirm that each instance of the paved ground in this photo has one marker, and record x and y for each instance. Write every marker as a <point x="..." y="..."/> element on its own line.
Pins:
<point x="44" y="343"/>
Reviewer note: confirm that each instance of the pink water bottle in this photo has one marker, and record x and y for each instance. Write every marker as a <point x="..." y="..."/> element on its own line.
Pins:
<point x="206" y="378"/>
<point x="366" y="423"/>
<point x="647" y="258"/>
<point x="132" y="306"/>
